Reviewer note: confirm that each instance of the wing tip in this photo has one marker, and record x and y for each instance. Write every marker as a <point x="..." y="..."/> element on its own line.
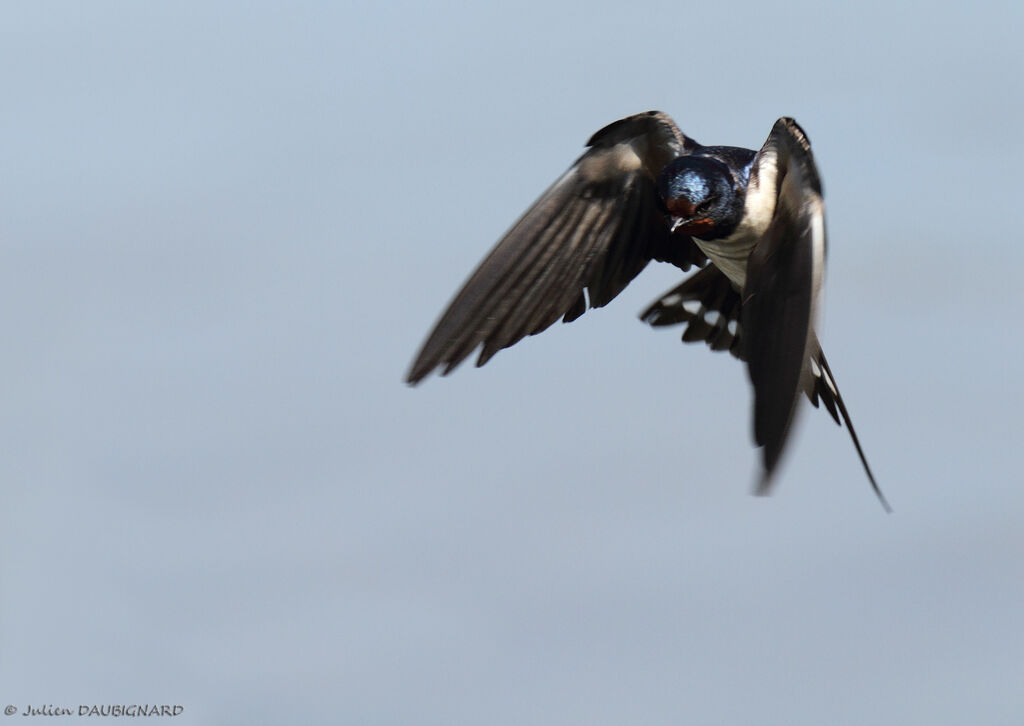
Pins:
<point x="424" y="365"/>
<point x="772" y="457"/>
<point x="416" y="374"/>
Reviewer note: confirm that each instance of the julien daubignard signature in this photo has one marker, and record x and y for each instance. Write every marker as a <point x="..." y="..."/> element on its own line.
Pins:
<point x="115" y="709"/>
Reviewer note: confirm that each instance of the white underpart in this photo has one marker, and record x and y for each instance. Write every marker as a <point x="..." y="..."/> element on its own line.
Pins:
<point x="730" y="254"/>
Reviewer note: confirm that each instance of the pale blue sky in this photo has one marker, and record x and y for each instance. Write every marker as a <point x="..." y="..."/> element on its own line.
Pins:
<point x="227" y="228"/>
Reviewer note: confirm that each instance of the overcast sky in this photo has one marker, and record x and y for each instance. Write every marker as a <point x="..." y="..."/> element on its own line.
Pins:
<point x="226" y="229"/>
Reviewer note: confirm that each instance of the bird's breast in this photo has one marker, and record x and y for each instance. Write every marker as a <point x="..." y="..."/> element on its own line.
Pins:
<point x="730" y="254"/>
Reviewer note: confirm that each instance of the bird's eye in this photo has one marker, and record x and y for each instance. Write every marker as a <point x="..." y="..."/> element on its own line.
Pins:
<point x="705" y="205"/>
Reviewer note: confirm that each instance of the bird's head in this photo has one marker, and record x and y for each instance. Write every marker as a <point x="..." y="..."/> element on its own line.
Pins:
<point x="700" y="196"/>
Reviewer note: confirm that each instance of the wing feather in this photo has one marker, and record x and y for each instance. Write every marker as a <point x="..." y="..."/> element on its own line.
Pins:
<point x="781" y="294"/>
<point x="579" y="245"/>
<point x="708" y="304"/>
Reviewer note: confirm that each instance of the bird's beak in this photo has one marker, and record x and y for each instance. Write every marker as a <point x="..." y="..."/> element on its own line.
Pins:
<point x="683" y="212"/>
<point x="688" y="225"/>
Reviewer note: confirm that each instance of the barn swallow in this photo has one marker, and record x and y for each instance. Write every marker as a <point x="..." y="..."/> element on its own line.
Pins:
<point x="752" y="221"/>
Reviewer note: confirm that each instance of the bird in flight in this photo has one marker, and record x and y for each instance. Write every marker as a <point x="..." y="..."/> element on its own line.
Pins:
<point x="753" y="222"/>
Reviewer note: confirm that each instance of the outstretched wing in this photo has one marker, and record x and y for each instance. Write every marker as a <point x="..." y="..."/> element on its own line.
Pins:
<point x="578" y="246"/>
<point x="783" y="285"/>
